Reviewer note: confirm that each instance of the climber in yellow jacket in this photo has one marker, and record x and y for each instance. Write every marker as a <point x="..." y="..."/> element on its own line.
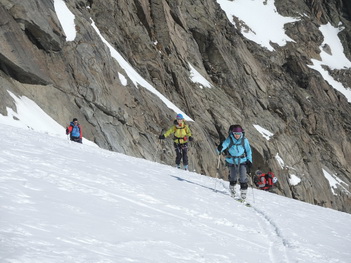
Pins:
<point x="182" y="135"/>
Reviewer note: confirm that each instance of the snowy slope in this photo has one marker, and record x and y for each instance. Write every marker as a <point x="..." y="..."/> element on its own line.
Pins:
<point x="67" y="202"/>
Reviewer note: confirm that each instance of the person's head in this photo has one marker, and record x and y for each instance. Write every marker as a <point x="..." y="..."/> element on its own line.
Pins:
<point x="75" y="121"/>
<point x="179" y="118"/>
<point x="237" y="130"/>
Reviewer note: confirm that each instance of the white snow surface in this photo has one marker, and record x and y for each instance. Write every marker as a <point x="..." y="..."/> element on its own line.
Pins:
<point x="335" y="60"/>
<point x="280" y="161"/>
<point x="264" y="132"/>
<point x="263" y="24"/>
<point x="66" y="18"/>
<point x="294" y="180"/>
<point x="335" y="182"/>
<point x="66" y="202"/>
<point x="196" y="77"/>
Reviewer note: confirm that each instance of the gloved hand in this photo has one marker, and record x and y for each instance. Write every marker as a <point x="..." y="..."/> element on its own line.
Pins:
<point x="248" y="166"/>
<point x="190" y="139"/>
<point x="219" y="147"/>
<point x="255" y="179"/>
<point x="161" y="137"/>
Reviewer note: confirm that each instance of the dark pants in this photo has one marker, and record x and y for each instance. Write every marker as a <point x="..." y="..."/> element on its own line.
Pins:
<point x="182" y="152"/>
<point x="236" y="171"/>
<point x="76" y="139"/>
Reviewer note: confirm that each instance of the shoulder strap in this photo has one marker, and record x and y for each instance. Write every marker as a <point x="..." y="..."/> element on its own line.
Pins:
<point x="242" y="143"/>
<point x="231" y="142"/>
<point x="78" y="126"/>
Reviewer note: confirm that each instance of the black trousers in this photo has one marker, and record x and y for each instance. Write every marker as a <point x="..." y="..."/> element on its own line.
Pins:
<point x="76" y="139"/>
<point x="182" y="153"/>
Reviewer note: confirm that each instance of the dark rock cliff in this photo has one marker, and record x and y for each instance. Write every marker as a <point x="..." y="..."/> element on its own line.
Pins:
<point x="311" y="121"/>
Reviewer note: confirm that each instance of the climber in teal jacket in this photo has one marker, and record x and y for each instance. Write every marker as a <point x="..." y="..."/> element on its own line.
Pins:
<point x="238" y="158"/>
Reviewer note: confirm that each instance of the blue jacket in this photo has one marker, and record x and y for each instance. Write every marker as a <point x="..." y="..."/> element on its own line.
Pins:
<point x="75" y="130"/>
<point x="237" y="151"/>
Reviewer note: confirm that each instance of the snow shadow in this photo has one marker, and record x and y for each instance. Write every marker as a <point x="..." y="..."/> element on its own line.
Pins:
<point x="206" y="187"/>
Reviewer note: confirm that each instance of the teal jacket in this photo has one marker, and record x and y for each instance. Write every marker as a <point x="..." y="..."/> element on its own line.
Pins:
<point x="237" y="153"/>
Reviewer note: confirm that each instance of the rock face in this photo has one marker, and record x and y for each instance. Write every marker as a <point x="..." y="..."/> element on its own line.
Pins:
<point x="311" y="121"/>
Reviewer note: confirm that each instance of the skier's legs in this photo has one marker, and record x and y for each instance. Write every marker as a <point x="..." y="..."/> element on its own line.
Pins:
<point x="242" y="174"/>
<point x="243" y="181"/>
<point x="178" y="150"/>
<point x="233" y="174"/>
<point x="76" y="139"/>
<point x="185" y="154"/>
<point x="233" y="178"/>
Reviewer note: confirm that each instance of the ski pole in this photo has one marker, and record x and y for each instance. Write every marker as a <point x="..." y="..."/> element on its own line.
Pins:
<point x="253" y="195"/>
<point x="190" y="160"/>
<point x="217" y="172"/>
<point x="162" y="146"/>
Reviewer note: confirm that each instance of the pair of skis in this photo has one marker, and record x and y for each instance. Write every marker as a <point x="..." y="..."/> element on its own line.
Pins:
<point x="239" y="199"/>
<point x="244" y="202"/>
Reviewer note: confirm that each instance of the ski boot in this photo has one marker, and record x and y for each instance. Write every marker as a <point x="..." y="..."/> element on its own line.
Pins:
<point x="232" y="190"/>
<point x="243" y="195"/>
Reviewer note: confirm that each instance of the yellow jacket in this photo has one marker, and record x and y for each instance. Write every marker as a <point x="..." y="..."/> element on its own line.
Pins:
<point x="181" y="133"/>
